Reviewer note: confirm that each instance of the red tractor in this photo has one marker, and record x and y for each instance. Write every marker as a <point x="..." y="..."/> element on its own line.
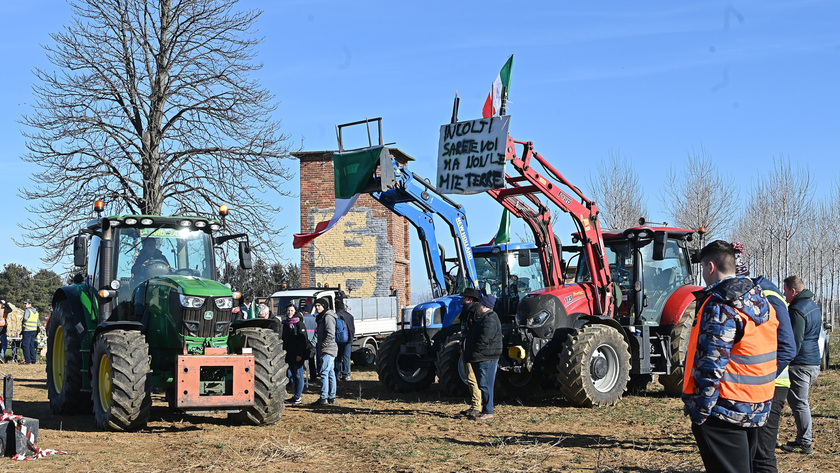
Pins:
<point x="624" y="317"/>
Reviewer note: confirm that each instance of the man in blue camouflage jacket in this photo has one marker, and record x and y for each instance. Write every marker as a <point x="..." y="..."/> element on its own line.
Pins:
<point x="730" y="364"/>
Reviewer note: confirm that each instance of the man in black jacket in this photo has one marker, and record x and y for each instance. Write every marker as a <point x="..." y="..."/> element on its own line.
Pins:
<point x="482" y="348"/>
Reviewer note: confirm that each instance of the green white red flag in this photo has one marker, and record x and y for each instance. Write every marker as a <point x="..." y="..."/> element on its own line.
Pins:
<point x="493" y="104"/>
<point x="352" y="173"/>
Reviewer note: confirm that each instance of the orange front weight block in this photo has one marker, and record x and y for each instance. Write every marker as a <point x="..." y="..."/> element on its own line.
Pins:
<point x="214" y="380"/>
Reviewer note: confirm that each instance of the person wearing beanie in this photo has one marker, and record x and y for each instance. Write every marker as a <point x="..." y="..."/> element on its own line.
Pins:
<point x="765" y="454"/>
<point x="296" y="344"/>
<point x="327" y="349"/>
<point x="483" y="347"/>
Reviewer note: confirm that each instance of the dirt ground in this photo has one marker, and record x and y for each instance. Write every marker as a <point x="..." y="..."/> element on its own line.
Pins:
<point x="372" y="429"/>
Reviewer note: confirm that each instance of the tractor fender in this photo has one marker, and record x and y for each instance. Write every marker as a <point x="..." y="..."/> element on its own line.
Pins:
<point x="583" y="320"/>
<point x="127" y="325"/>
<point x="677" y="303"/>
<point x="72" y="294"/>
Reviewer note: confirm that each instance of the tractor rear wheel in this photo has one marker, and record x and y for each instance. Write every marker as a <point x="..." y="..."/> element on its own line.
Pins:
<point x="402" y="373"/>
<point x="452" y="378"/>
<point x="673" y="383"/>
<point x="270" y="378"/>
<point x="594" y="366"/>
<point x="121" y="381"/>
<point x="64" y="364"/>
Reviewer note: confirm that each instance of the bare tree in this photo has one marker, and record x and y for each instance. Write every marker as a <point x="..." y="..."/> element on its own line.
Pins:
<point x="152" y="108"/>
<point x="617" y="192"/>
<point x="700" y="195"/>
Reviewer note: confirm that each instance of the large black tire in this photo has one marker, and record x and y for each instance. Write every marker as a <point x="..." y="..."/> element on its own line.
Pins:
<point x="366" y="356"/>
<point x="673" y="383"/>
<point x="452" y="379"/>
<point x="402" y="373"/>
<point x="64" y="364"/>
<point x="270" y="378"/>
<point x="594" y="366"/>
<point x="121" y="380"/>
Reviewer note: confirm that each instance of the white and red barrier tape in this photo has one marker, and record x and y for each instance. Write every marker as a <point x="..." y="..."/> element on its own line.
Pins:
<point x="30" y="437"/>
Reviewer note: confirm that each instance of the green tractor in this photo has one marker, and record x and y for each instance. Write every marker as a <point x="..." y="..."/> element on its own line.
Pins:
<point x="149" y="316"/>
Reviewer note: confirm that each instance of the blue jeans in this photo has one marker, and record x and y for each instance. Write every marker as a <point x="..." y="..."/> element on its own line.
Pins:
<point x="485" y="375"/>
<point x="296" y="377"/>
<point x="4" y="342"/>
<point x="342" y="363"/>
<point x="328" y="382"/>
<point x="28" y="345"/>
<point x="801" y="379"/>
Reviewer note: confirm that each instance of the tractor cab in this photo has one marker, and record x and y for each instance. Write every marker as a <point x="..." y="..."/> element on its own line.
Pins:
<point x="647" y="264"/>
<point x="508" y="271"/>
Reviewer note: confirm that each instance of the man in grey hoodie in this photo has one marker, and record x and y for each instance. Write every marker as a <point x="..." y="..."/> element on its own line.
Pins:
<point x="328" y="350"/>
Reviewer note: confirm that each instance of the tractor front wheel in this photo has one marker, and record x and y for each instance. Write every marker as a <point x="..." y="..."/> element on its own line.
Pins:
<point x="64" y="364"/>
<point x="120" y="380"/>
<point x="402" y="373"/>
<point x="270" y="378"/>
<point x="594" y="366"/>
<point x="452" y="377"/>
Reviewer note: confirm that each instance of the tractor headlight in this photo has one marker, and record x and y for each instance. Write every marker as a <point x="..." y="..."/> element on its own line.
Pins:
<point x="538" y="320"/>
<point x="224" y="302"/>
<point x="191" y="302"/>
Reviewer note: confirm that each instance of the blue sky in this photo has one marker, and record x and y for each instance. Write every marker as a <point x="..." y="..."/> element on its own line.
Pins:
<point x="746" y="80"/>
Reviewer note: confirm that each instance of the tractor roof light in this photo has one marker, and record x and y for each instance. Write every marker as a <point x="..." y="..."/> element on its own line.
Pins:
<point x="200" y="224"/>
<point x="131" y="221"/>
<point x="146" y="221"/>
<point x="185" y="223"/>
<point x="99" y="206"/>
<point x="223" y="210"/>
<point x="215" y="226"/>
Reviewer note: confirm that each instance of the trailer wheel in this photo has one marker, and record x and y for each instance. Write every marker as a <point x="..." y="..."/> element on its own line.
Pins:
<point x="673" y="383"/>
<point x="270" y="378"/>
<point x="452" y="378"/>
<point x="120" y="381"/>
<point x="594" y="366"/>
<point x="64" y="364"/>
<point x="366" y="356"/>
<point x="400" y="372"/>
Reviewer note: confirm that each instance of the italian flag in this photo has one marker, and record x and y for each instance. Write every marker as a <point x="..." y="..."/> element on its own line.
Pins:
<point x="353" y="170"/>
<point x="503" y="235"/>
<point x="494" y="99"/>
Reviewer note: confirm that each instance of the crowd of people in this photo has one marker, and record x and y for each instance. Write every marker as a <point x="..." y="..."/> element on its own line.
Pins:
<point x="751" y="349"/>
<point x="24" y="332"/>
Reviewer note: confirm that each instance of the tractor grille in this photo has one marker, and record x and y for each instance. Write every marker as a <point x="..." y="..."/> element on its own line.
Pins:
<point x="197" y="322"/>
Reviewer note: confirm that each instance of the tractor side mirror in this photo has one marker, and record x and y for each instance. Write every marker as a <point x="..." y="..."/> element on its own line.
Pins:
<point x="80" y="250"/>
<point x="245" y="255"/>
<point x="660" y="239"/>
<point x="524" y="258"/>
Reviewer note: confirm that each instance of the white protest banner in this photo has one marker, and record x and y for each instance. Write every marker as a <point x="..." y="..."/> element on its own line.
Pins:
<point x="471" y="155"/>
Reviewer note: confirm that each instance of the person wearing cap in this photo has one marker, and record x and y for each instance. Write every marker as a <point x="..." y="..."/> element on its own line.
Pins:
<point x="28" y="332"/>
<point x="327" y="350"/>
<point x="482" y="348"/>
<point x="765" y="454"/>
<point x="468" y="299"/>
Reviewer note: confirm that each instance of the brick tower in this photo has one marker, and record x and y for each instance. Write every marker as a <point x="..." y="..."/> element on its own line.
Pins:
<point x="368" y="249"/>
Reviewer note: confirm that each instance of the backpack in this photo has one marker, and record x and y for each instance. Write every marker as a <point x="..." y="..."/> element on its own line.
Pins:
<point x="342" y="333"/>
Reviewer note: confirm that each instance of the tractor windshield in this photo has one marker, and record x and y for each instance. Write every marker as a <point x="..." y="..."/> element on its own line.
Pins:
<point x="144" y="253"/>
<point x="501" y="275"/>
